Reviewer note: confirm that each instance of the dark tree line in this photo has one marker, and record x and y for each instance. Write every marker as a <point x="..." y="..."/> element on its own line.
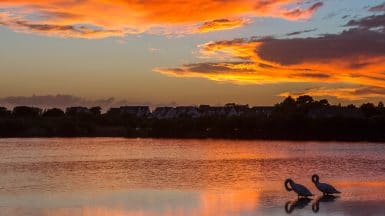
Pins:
<point x="302" y="118"/>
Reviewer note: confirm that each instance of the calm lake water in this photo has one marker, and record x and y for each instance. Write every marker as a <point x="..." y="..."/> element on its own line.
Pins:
<point x="113" y="176"/>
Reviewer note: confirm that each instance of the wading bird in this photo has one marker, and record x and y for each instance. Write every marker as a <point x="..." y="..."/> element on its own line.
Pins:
<point x="326" y="189"/>
<point x="301" y="190"/>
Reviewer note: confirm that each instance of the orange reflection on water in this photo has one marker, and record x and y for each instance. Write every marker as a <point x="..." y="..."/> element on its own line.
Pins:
<point x="90" y="211"/>
<point x="225" y="203"/>
<point x="209" y="203"/>
<point x="62" y="177"/>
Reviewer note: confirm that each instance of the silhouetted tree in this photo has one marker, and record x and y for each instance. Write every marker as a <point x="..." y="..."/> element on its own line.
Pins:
<point x="4" y="112"/>
<point x="73" y="111"/>
<point x="24" y="111"/>
<point x="96" y="110"/>
<point x="54" y="112"/>
<point x="289" y="101"/>
<point x="369" y="109"/>
<point x="380" y="105"/>
<point x="324" y="102"/>
<point x="351" y="106"/>
<point x="304" y="99"/>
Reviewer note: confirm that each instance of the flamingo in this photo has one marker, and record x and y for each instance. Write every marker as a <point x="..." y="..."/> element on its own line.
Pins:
<point x="326" y="189"/>
<point x="301" y="190"/>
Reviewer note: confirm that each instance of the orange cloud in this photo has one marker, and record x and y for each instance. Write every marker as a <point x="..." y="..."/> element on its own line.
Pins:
<point x="222" y="24"/>
<point x="81" y="31"/>
<point x="247" y="66"/>
<point x="352" y="93"/>
<point x="355" y="56"/>
<point x="100" y="18"/>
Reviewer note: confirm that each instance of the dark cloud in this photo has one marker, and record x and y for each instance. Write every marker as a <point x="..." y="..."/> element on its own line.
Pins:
<point x="370" y="90"/>
<point x="63" y="101"/>
<point x="45" y="27"/>
<point x="313" y="75"/>
<point x="298" y="12"/>
<point x="378" y="8"/>
<point x="86" y="31"/>
<point x="349" y="44"/>
<point x="300" y="32"/>
<point x="211" y="68"/>
<point x="375" y="21"/>
<point x="53" y="101"/>
<point x="366" y="38"/>
<point x="345" y="16"/>
<point x="45" y="14"/>
<point x="222" y="67"/>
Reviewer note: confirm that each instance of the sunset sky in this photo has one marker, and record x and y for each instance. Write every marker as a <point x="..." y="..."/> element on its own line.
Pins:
<point x="176" y="52"/>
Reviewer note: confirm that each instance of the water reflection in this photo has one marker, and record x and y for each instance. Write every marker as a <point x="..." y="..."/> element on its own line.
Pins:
<point x="60" y="177"/>
<point x="178" y="203"/>
<point x="300" y="203"/>
<point x="139" y="202"/>
<point x="323" y="199"/>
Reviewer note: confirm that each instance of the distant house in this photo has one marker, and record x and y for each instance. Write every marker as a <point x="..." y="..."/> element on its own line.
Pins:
<point x="163" y="112"/>
<point x="207" y="110"/>
<point x="138" y="111"/>
<point x="335" y="111"/>
<point x="233" y="109"/>
<point x="230" y="109"/>
<point x="177" y="112"/>
<point x="262" y="110"/>
<point x="188" y="111"/>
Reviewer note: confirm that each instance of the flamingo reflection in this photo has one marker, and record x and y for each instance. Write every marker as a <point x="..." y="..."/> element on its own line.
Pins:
<point x="300" y="203"/>
<point x="324" y="199"/>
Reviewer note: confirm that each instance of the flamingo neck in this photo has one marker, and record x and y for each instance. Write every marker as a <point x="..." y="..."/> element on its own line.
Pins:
<point x="315" y="179"/>
<point x="287" y="183"/>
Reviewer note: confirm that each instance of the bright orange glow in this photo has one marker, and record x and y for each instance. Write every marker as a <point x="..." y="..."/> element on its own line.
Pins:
<point x="223" y="203"/>
<point x="100" y="18"/>
<point x="227" y="203"/>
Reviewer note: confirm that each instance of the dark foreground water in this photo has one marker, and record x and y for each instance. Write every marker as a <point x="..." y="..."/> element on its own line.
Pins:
<point x="110" y="176"/>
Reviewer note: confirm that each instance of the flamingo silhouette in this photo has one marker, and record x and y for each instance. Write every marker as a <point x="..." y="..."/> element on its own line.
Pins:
<point x="301" y="190"/>
<point x="326" y="189"/>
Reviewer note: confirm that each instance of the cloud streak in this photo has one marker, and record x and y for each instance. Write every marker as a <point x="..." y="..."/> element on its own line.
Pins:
<point x="300" y="32"/>
<point x="222" y="24"/>
<point x="303" y="14"/>
<point x="80" y="31"/>
<point x="99" y="18"/>
<point x="378" y="8"/>
<point x="352" y="93"/>
<point x="62" y="101"/>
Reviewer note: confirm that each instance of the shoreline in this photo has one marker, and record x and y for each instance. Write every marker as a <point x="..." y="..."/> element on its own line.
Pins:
<point x="196" y="138"/>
